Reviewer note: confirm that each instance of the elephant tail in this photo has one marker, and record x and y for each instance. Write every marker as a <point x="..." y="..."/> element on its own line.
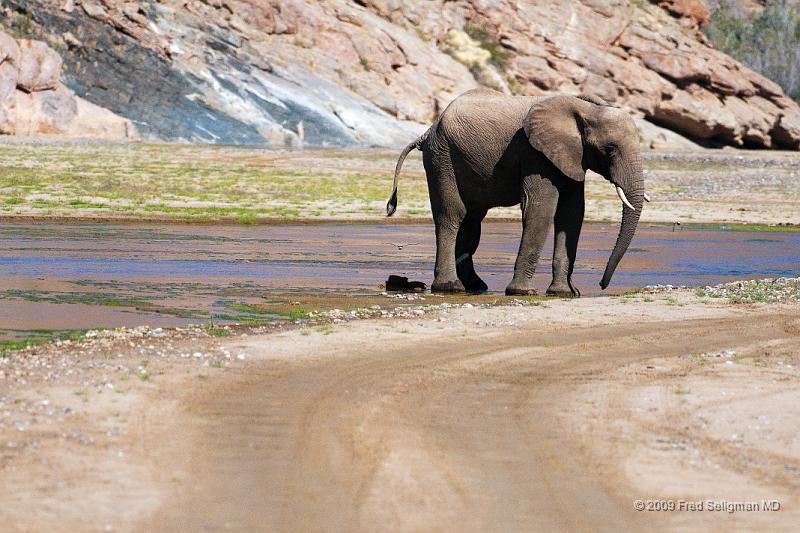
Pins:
<point x="391" y="205"/>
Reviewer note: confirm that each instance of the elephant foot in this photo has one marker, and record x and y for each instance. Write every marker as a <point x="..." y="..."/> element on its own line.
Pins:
<point x="476" y="285"/>
<point x="562" y="290"/>
<point x="466" y="273"/>
<point x="473" y="283"/>
<point x="519" y="290"/>
<point x="447" y="286"/>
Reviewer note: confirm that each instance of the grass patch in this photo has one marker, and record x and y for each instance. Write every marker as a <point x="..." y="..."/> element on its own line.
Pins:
<point x="12" y="345"/>
<point x="325" y="329"/>
<point x="246" y="185"/>
<point x="299" y="314"/>
<point x="101" y="299"/>
<point x="219" y="332"/>
<point x="199" y="183"/>
<point x="745" y="227"/>
<point x="756" y="291"/>
<point x="36" y="337"/>
<point x="498" y="55"/>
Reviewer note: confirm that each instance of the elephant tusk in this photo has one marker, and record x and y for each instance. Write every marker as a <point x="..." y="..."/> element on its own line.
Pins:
<point x="622" y="197"/>
<point x="646" y="198"/>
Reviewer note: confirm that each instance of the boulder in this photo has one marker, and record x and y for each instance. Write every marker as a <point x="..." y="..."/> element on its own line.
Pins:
<point x="693" y="12"/>
<point x="98" y="122"/>
<point x="653" y="137"/>
<point x="8" y="101"/>
<point x="9" y="49"/>
<point x="9" y="73"/>
<point x="698" y="113"/>
<point x="39" y="66"/>
<point x="787" y="131"/>
<point x="59" y="112"/>
<point x="34" y="102"/>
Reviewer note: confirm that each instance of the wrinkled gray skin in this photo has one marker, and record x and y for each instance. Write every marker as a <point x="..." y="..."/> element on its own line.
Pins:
<point x="488" y="150"/>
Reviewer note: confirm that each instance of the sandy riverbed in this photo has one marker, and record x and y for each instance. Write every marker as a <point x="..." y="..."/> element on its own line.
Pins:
<point x="552" y="415"/>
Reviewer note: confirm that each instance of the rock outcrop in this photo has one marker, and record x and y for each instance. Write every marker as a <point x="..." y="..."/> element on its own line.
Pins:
<point x="34" y="102"/>
<point x="375" y="72"/>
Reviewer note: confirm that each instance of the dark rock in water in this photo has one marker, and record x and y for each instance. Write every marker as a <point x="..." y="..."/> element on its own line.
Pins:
<point x="401" y="284"/>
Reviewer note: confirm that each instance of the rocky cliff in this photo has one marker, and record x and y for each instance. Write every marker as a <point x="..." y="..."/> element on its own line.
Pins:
<point x="374" y="72"/>
<point x="34" y="102"/>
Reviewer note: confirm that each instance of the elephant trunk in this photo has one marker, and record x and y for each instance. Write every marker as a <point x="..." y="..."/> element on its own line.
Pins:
<point x="627" y="174"/>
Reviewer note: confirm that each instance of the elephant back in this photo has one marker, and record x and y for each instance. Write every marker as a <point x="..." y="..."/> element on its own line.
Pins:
<point x="481" y="124"/>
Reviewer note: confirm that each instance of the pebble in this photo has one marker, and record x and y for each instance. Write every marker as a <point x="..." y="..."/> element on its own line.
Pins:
<point x="768" y="290"/>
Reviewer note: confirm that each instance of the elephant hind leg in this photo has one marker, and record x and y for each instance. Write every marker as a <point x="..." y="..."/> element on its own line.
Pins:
<point x="445" y="276"/>
<point x="448" y="214"/>
<point x="467" y="241"/>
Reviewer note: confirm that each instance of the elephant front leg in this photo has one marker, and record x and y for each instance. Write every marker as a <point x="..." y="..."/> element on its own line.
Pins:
<point x="568" y="223"/>
<point x="539" y="199"/>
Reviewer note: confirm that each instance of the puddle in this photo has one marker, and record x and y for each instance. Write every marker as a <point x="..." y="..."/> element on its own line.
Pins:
<point x="78" y="276"/>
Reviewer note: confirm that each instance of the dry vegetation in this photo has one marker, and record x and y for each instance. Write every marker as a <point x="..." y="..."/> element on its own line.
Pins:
<point x="182" y="182"/>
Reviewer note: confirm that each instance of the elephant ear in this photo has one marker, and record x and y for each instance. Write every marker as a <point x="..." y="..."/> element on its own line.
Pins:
<point x="551" y="126"/>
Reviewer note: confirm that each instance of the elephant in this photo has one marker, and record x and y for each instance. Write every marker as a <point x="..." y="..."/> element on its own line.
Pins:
<point x="488" y="149"/>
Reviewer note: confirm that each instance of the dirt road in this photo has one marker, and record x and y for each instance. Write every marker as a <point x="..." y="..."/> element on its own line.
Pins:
<point x="493" y="420"/>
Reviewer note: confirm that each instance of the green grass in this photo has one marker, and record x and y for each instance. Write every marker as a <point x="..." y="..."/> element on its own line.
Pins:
<point x="36" y="337"/>
<point x="244" y="313"/>
<point x="11" y="345"/>
<point x="744" y="227"/>
<point x="498" y="54"/>
<point x="219" y="332"/>
<point x="248" y="185"/>
<point x="199" y="183"/>
<point x="299" y="314"/>
<point x="100" y="299"/>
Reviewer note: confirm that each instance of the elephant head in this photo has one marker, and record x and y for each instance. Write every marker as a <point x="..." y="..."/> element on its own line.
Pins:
<point x="577" y="134"/>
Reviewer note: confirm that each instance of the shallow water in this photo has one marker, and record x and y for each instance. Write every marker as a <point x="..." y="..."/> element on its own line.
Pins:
<point x="76" y="276"/>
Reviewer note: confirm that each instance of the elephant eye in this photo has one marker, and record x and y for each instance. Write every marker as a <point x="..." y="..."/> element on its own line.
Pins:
<point x="609" y="148"/>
